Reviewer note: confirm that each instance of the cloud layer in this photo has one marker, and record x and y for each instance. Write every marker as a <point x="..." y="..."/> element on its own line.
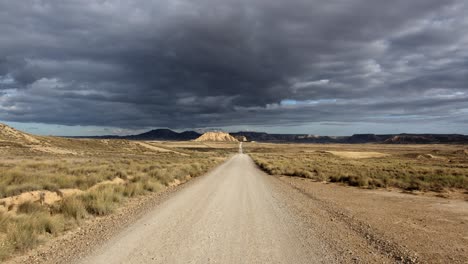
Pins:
<point x="181" y="64"/>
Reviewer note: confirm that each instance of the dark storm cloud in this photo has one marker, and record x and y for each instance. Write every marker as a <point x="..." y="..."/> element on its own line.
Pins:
<point x="186" y="63"/>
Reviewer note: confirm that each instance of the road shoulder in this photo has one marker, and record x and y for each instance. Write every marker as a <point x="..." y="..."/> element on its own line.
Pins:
<point x="362" y="223"/>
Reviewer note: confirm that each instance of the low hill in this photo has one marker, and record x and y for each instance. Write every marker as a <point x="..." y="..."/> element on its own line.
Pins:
<point x="165" y="134"/>
<point x="13" y="141"/>
<point x="9" y="134"/>
<point x="217" y="136"/>
<point x="156" y="134"/>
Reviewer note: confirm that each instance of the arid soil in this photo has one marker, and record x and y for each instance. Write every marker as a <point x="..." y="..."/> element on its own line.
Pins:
<point x="238" y="214"/>
<point x="155" y="148"/>
<point x="406" y="227"/>
<point x="357" y="155"/>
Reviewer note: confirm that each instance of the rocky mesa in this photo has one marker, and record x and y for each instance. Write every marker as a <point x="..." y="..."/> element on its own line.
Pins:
<point x="217" y="137"/>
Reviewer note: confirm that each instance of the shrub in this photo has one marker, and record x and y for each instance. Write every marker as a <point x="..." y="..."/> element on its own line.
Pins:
<point x="153" y="186"/>
<point x="413" y="185"/>
<point x="11" y="190"/>
<point x="195" y="170"/>
<point x="162" y="176"/>
<point x="3" y="221"/>
<point x="45" y="223"/>
<point x="379" y="183"/>
<point x="6" y="249"/>
<point x="133" y="189"/>
<point x="29" y="207"/>
<point x="22" y="235"/>
<point x="302" y="173"/>
<point x="120" y="174"/>
<point x="102" y="201"/>
<point x="359" y="181"/>
<point x="73" y="207"/>
<point x="24" y="232"/>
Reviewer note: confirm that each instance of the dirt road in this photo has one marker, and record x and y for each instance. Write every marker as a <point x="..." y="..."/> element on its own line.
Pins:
<point x="237" y="214"/>
<point x="232" y="215"/>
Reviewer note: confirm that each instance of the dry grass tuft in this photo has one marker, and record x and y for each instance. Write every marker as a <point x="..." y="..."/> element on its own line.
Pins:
<point x="29" y="207"/>
<point x="24" y="232"/>
<point x="134" y="189"/>
<point x="73" y="207"/>
<point x="103" y="200"/>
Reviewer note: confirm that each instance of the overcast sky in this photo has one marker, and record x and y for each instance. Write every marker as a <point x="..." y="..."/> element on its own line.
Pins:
<point x="337" y="67"/>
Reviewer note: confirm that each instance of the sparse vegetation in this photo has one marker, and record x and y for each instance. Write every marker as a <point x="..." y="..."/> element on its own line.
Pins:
<point x="25" y="231"/>
<point x="92" y="183"/>
<point x="421" y="167"/>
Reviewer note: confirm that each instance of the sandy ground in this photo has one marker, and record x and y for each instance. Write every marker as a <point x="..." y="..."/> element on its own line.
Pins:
<point x="158" y="149"/>
<point x="358" y="155"/>
<point x="405" y="227"/>
<point x="238" y="214"/>
<point x="10" y="204"/>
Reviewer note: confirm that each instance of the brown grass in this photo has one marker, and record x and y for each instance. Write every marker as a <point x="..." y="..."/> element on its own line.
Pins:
<point x="25" y="231"/>
<point x="442" y="166"/>
<point x="72" y="207"/>
<point x="103" y="200"/>
<point x="139" y="171"/>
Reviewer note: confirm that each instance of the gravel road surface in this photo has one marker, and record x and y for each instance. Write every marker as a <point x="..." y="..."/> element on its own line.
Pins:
<point x="232" y="215"/>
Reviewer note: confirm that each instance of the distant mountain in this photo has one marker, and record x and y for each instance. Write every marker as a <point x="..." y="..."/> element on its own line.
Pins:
<point x="365" y="138"/>
<point x="167" y="134"/>
<point x="427" y="139"/>
<point x="189" y="135"/>
<point x="265" y="137"/>
<point x="156" y="134"/>
<point x="357" y="138"/>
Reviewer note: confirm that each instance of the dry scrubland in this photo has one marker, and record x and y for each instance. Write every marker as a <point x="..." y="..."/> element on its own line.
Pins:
<point x="438" y="168"/>
<point x="51" y="185"/>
